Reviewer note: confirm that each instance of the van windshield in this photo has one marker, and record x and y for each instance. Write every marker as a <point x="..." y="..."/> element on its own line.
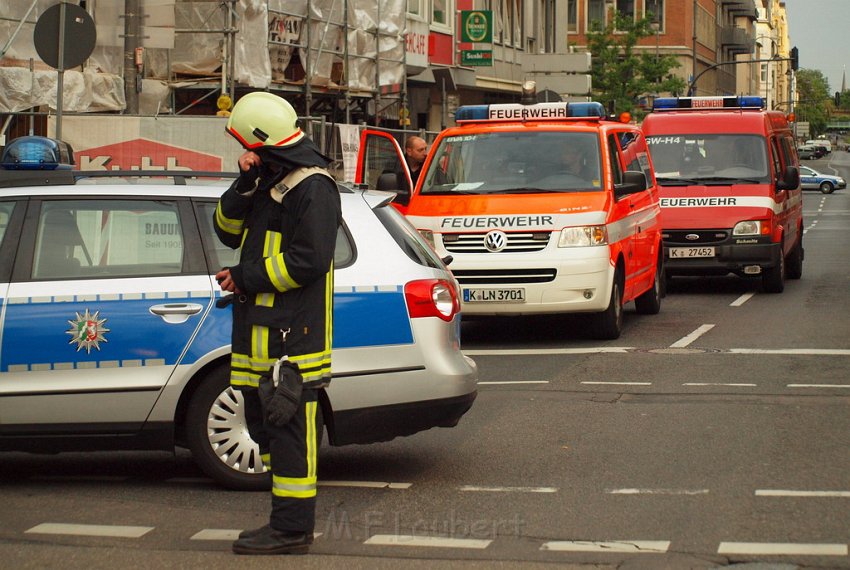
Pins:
<point x="709" y="158"/>
<point x="515" y="163"/>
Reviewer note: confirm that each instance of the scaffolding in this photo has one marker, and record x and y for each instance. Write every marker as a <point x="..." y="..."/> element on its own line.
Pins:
<point x="342" y="59"/>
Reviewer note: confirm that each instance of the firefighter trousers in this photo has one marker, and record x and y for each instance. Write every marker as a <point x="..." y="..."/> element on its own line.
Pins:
<point x="290" y="452"/>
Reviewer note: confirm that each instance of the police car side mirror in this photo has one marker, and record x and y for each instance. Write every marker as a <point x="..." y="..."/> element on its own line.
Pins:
<point x="633" y="181"/>
<point x="790" y="179"/>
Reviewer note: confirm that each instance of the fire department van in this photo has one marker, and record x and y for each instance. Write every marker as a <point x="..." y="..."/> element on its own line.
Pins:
<point x="729" y="178"/>
<point x="540" y="208"/>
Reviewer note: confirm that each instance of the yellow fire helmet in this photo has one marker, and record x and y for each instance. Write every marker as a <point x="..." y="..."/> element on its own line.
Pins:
<point x="262" y="119"/>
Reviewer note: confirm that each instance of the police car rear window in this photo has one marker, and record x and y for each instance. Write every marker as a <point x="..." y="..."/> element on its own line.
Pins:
<point x="408" y="239"/>
<point x="6" y="209"/>
<point x="515" y="163"/>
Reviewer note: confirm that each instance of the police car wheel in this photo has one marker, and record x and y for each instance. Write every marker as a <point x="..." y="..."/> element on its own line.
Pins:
<point x="826" y="188"/>
<point x="218" y="438"/>
<point x="609" y="323"/>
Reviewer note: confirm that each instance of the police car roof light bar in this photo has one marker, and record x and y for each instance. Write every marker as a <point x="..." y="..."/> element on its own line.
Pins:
<point x="37" y="153"/>
<point x="539" y="111"/>
<point x="708" y="103"/>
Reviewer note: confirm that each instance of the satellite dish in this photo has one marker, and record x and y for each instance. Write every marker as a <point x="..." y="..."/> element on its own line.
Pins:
<point x="77" y="30"/>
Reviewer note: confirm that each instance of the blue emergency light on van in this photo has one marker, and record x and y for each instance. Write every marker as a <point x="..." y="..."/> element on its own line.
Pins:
<point x="37" y="153"/>
<point x="708" y="103"/>
<point x="538" y="112"/>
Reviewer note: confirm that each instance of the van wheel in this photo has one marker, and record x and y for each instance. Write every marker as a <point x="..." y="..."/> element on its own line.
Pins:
<point x="218" y="438"/>
<point x="608" y="324"/>
<point x="649" y="302"/>
<point x="826" y="188"/>
<point x="794" y="261"/>
<point x="773" y="279"/>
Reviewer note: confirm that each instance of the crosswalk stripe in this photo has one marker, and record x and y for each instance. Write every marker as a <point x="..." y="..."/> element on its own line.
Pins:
<point x="431" y="541"/>
<point x="91" y="530"/>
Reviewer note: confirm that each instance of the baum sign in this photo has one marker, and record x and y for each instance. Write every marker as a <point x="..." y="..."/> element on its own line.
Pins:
<point x="144" y="154"/>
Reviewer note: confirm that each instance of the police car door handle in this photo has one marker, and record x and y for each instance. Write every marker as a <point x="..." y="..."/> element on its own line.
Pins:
<point x="176" y="313"/>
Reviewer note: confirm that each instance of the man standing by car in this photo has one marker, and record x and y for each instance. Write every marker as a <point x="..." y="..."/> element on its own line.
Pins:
<point x="284" y="211"/>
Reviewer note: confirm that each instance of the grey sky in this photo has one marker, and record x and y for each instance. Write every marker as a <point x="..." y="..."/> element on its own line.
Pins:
<point x="819" y="29"/>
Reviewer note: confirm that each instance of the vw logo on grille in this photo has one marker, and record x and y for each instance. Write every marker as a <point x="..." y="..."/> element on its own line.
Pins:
<point x="692" y="237"/>
<point x="495" y="240"/>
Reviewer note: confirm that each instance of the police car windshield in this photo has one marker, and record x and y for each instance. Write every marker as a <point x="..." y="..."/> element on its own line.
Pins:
<point x="709" y="158"/>
<point x="515" y="162"/>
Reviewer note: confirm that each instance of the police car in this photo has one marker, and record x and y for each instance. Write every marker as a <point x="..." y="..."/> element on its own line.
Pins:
<point x="811" y="179"/>
<point x="111" y="337"/>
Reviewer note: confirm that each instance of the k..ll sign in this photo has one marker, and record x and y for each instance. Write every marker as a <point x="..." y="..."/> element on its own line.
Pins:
<point x="476" y="57"/>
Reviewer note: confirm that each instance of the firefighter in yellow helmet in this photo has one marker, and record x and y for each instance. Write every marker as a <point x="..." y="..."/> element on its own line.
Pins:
<point x="284" y="212"/>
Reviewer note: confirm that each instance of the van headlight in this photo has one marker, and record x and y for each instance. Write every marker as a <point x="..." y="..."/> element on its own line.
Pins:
<point x="748" y="228"/>
<point x="583" y="236"/>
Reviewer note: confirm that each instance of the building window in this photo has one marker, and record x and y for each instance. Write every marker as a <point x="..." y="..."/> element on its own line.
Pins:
<point x="655" y="10"/>
<point x="626" y="8"/>
<point x="414" y="7"/>
<point x="516" y="19"/>
<point x="595" y="15"/>
<point x="440" y="13"/>
<point x="547" y="9"/>
<point x="572" y="16"/>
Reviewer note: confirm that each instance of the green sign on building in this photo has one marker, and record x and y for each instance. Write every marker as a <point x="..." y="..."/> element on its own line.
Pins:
<point x="476" y="26"/>
<point x="476" y="57"/>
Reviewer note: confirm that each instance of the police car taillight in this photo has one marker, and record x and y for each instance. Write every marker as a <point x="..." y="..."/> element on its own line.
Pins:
<point x="37" y="153"/>
<point x="536" y="112"/>
<point x="708" y="103"/>
<point x="431" y="298"/>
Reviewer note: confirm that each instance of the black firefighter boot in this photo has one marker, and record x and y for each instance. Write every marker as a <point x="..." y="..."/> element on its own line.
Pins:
<point x="274" y="542"/>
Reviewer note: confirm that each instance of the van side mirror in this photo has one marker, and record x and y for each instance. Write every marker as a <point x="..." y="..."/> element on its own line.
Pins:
<point x="790" y="179"/>
<point x="633" y="181"/>
<point x="388" y="182"/>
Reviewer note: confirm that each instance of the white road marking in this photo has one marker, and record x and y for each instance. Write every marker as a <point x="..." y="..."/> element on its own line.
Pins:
<point x="216" y="534"/>
<point x="789" y="493"/>
<point x="647" y="546"/>
<point x="514" y="382"/>
<point x="737" y="385"/>
<point x="479" y="488"/>
<point x="91" y="530"/>
<point x="365" y="484"/>
<point x="431" y="541"/>
<point x="782" y="548"/>
<point x="818" y="385"/>
<point x="620" y="383"/>
<point x="799" y="351"/>
<point x="686" y="340"/>
<point x="226" y="534"/>
<point x="536" y="351"/>
<point x="629" y="491"/>
<point x="741" y="300"/>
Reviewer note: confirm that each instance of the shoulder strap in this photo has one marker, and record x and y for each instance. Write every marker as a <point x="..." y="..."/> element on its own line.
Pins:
<point x="293" y="179"/>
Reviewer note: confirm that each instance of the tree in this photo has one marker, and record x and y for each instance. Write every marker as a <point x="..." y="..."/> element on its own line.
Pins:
<point x="621" y="76"/>
<point x="815" y="100"/>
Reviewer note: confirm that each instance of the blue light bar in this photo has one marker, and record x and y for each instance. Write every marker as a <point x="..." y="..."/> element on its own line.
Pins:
<point x="536" y="112"/>
<point x="708" y="103"/>
<point x="37" y="153"/>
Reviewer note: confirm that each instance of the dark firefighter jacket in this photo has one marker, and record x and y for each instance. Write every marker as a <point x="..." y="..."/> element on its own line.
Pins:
<point x="285" y="274"/>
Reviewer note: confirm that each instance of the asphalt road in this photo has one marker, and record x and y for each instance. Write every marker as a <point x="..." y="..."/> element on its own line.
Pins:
<point x="714" y="433"/>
